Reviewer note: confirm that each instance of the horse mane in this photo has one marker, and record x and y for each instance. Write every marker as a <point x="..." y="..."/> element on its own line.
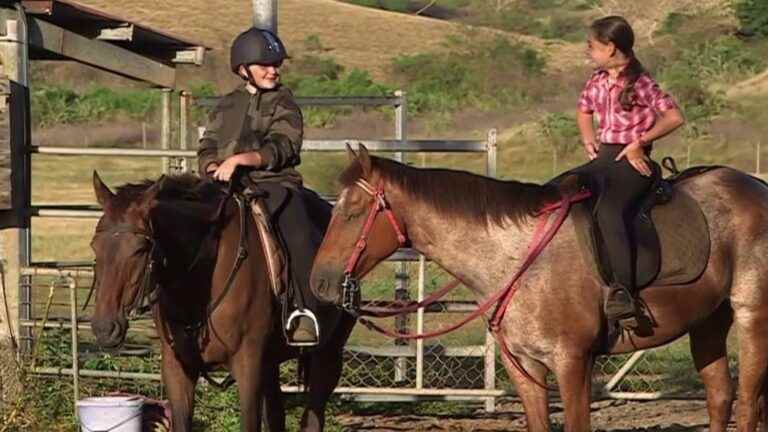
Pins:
<point x="460" y="194"/>
<point x="179" y="188"/>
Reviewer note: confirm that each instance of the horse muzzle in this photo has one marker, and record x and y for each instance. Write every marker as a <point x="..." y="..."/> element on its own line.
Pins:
<point x="109" y="333"/>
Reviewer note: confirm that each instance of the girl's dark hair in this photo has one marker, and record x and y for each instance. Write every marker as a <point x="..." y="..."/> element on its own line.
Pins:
<point x="616" y="29"/>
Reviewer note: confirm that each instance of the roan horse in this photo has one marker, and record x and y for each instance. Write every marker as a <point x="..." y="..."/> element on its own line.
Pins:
<point x="478" y="228"/>
<point x="175" y="242"/>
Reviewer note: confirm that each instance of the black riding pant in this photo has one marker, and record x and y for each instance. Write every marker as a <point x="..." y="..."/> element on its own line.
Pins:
<point x="300" y="231"/>
<point x="621" y="187"/>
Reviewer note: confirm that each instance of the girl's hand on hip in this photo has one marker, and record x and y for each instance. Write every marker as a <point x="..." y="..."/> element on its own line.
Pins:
<point x="591" y="147"/>
<point x="636" y="157"/>
<point x="224" y="171"/>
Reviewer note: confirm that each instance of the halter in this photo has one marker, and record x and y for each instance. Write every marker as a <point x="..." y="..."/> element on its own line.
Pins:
<point x="351" y="286"/>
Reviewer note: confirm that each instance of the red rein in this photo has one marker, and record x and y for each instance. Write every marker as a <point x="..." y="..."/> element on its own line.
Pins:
<point x="542" y="236"/>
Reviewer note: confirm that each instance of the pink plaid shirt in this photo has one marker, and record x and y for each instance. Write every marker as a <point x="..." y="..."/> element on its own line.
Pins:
<point x="615" y="125"/>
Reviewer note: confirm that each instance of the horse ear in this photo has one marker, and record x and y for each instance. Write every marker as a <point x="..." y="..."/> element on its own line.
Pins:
<point x="103" y="194"/>
<point x="351" y="153"/>
<point x="153" y="190"/>
<point x="365" y="159"/>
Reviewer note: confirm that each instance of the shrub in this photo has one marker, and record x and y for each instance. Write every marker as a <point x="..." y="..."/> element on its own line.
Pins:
<point x="753" y="16"/>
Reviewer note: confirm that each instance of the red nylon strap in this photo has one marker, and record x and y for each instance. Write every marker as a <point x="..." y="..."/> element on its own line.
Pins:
<point x="379" y="204"/>
<point x="410" y="307"/>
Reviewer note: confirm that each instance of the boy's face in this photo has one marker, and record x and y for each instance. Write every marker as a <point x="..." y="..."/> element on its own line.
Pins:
<point x="265" y="77"/>
<point x="600" y="53"/>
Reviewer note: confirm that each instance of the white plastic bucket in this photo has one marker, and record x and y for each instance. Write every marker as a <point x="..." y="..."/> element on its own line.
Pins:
<point x="110" y="414"/>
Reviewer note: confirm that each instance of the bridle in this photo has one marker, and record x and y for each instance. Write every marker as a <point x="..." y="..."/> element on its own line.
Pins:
<point x="351" y="286"/>
<point x="146" y="295"/>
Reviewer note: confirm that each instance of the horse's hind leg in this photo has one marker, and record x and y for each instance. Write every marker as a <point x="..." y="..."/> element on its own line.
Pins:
<point x="534" y="397"/>
<point x="709" y="352"/>
<point x="753" y="362"/>
<point x="274" y="411"/>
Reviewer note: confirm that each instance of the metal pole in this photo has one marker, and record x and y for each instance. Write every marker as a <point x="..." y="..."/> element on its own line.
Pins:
<point x="165" y="134"/>
<point x="420" y="325"/>
<point x="184" y="127"/>
<point x="75" y="344"/>
<point x="265" y="14"/>
<point x="401" y="275"/>
<point x="489" y="375"/>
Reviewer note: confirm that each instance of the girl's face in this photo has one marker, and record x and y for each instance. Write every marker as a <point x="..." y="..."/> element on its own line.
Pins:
<point x="600" y="53"/>
<point x="265" y="77"/>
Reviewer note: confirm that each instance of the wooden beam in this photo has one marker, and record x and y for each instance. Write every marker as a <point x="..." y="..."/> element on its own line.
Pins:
<point x="101" y="55"/>
<point x="193" y="56"/>
<point x="121" y="33"/>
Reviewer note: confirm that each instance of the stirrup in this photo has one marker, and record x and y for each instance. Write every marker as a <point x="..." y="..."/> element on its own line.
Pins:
<point x="296" y="314"/>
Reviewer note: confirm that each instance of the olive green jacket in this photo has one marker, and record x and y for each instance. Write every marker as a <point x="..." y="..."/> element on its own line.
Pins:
<point x="268" y="122"/>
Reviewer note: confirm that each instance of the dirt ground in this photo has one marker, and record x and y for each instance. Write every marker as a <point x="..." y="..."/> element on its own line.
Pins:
<point x="618" y="416"/>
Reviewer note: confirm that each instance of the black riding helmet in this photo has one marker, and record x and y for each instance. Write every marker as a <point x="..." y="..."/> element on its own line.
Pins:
<point x="256" y="46"/>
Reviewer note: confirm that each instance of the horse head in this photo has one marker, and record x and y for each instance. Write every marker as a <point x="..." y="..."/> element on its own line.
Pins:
<point x="123" y="244"/>
<point x="148" y="231"/>
<point x="363" y="232"/>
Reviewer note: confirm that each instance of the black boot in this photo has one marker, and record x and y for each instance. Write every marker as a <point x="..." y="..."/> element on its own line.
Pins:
<point x="619" y="303"/>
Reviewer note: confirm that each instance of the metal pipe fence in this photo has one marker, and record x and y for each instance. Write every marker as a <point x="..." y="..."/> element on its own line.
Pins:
<point x="462" y="367"/>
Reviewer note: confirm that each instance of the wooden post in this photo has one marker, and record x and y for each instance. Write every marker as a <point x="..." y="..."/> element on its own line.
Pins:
<point x="14" y="218"/>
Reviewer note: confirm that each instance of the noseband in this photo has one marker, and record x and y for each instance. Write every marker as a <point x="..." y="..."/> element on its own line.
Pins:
<point x="351" y="286"/>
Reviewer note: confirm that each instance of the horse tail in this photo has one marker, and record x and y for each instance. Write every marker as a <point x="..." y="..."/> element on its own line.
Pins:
<point x="302" y="371"/>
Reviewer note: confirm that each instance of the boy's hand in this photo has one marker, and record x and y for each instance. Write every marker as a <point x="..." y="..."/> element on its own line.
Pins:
<point x="224" y="171"/>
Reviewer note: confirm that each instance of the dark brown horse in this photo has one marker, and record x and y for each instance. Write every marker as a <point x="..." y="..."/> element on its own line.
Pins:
<point x="170" y="235"/>
<point x="478" y="229"/>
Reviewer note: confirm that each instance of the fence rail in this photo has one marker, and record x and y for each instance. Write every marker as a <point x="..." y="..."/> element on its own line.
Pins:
<point x="459" y="367"/>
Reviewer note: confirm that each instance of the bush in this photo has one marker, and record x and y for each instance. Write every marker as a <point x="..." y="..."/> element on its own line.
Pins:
<point x="53" y="105"/>
<point x="489" y="75"/>
<point x="319" y="76"/>
<point x="723" y="59"/>
<point x="753" y="16"/>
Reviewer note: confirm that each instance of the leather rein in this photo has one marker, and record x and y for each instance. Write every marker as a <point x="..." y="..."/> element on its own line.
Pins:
<point x="543" y="234"/>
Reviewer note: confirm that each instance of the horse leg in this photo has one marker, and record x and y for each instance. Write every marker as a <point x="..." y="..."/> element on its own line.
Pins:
<point x="324" y="373"/>
<point x="574" y="377"/>
<point x="534" y="397"/>
<point x="247" y="370"/>
<point x="274" y="411"/>
<point x="180" y="387"/>
<point x="710" y="356"/>
<point x="753" y="361"/>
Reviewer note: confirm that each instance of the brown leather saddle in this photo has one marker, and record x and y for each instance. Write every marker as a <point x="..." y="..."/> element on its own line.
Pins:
<point x="669" y="230"/>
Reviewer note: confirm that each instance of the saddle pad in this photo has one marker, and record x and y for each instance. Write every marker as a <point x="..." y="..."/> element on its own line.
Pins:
<point x="683" y="237"/>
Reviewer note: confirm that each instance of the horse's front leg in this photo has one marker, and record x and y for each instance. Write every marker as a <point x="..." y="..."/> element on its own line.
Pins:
<point x="574" y="378"/>
<point x="246" y="367"/>
<point x="324" y="373"/>
<point x="527" y="375"/>
<point x="180" y="387"/>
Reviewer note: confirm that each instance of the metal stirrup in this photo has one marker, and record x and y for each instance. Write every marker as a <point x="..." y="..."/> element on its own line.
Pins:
<point x="296" y="314"/>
